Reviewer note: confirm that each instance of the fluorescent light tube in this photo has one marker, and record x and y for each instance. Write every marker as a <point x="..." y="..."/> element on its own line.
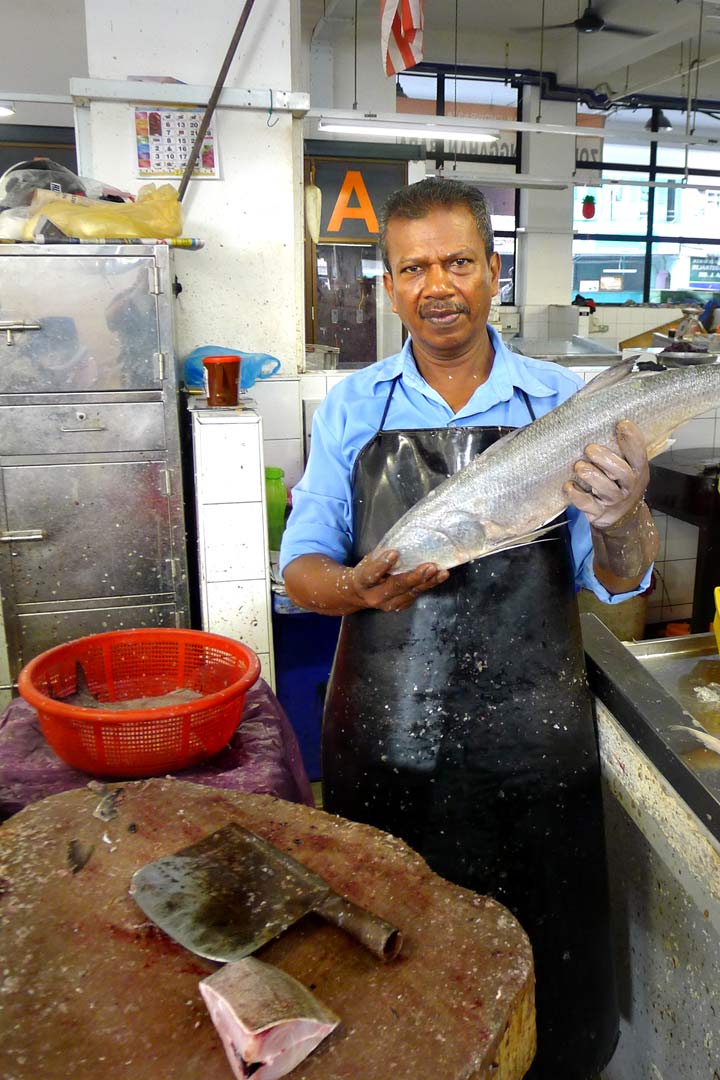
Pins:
<point x="508" y="180"/>
<point x="402" y="127"/>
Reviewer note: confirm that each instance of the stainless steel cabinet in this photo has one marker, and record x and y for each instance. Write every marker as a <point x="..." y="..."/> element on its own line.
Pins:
<point x="92" y="532"/>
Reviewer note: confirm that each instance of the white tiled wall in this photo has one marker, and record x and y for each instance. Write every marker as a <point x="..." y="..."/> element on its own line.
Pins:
<point x="278" y="402"/>
<point x="618" y="323"/>
<point x="674" y="571"/>
<point x="627" y="322"/>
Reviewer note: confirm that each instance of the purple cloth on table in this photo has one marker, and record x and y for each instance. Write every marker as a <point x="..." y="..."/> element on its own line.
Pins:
<point x="261" y="758"/>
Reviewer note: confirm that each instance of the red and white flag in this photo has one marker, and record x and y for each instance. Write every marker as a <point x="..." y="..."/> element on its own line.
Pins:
<point x="401" y="34"/>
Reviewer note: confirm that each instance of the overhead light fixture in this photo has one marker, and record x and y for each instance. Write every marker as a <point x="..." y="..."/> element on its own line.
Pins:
<point x="439" y="127"/>
<point x="403" y="127"/>
<point x="509" y="180"/>
<point x="658" y="122"/>
<point x="7" y="108"/>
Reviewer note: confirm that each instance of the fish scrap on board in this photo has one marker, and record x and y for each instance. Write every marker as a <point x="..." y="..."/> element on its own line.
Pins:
<point x="267" y="1020"/>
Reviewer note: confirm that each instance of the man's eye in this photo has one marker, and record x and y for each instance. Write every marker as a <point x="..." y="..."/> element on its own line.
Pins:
<point x="410" y="269"/>
<point x="461" y="262"/>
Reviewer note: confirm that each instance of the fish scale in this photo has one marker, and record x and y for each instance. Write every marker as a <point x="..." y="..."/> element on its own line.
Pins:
<point x="507" y="494"/>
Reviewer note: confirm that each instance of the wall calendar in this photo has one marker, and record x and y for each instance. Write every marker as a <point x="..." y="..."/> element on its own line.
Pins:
<point x="164" y="139"/>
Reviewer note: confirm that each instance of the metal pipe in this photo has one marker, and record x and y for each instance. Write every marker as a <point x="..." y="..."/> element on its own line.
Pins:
<point x="217" y="90"/>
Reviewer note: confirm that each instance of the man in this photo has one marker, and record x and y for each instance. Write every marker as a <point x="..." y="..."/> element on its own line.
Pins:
<point x="462" y="721"/>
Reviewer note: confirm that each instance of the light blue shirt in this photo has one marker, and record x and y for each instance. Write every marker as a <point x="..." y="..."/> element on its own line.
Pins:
<point x="350" y="415"/>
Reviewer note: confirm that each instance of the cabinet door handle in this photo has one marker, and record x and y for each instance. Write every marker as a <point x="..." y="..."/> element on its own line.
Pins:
<point x="16" y="535"/>
<point x="85" y="427"/>
<point x="13" y="326"/>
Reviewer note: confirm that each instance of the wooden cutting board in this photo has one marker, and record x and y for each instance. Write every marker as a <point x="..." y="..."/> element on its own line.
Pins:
<point x="90" y="989"/>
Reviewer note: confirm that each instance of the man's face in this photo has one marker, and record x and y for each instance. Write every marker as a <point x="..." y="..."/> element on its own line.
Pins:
<point x="441" y="283"/>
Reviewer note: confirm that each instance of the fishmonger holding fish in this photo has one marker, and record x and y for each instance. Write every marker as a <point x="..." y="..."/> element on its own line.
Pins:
<point x="458" y="716"/>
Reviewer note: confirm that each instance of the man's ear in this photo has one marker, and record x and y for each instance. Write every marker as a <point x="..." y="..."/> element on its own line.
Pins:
<point x="390" y="289"/>
<point x="495" y="266"/>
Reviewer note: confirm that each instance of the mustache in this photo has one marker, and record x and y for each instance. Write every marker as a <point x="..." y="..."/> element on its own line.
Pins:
<point x="429" y="310"/>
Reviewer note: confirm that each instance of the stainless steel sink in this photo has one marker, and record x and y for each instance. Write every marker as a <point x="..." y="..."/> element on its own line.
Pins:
<point x="680" y="664"/>
<point x="571" y="350"/>
<point x="649" y="687"/>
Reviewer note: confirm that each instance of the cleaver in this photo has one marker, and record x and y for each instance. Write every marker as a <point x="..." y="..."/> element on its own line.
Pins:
<point x="233" y="891"/>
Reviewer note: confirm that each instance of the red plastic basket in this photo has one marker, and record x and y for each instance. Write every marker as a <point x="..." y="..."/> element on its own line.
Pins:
<point x="126" y="664"/>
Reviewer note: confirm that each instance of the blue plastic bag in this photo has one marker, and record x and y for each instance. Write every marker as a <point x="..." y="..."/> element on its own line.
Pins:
<point x="253" y="366"/>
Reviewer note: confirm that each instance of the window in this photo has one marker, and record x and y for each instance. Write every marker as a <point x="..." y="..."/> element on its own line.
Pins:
<point x="684" y="272"/>
<point x="609" y="271"/>
<point x="653" y="226"/>
<point x="351" y="303"/>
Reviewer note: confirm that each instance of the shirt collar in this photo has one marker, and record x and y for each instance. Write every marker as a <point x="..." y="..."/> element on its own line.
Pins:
<point x="509" y="371"/>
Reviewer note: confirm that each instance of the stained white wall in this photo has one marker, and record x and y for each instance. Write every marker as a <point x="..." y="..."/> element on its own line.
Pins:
<point x="245" y="288"/>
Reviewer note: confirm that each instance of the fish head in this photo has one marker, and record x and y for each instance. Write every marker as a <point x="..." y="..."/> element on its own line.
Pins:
<point x="451" y="541"/>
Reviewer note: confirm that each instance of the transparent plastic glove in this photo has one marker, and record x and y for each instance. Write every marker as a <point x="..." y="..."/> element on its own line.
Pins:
<point x="608" y="486"/>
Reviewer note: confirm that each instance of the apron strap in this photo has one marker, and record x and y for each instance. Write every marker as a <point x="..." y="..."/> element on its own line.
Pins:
<point x="528" y="403"/>
<point x="393" y="384"/>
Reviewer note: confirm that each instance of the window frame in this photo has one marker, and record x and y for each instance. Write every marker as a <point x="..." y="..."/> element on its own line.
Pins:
<point x="648" y="237"/>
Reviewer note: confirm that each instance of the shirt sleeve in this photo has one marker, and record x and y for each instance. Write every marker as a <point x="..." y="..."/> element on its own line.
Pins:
<point x="321" y="518"/>
<point x="583" y="558"/>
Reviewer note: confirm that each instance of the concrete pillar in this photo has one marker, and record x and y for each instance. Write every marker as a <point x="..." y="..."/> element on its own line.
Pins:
<point x="245" y="289"/>
<point x="545" y="248"/>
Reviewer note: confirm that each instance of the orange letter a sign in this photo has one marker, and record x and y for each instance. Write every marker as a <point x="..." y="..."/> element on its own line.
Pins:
<point x="353" y="182"/>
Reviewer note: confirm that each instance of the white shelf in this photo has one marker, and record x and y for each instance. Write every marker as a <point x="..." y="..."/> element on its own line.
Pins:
<point x="233" y="555"/>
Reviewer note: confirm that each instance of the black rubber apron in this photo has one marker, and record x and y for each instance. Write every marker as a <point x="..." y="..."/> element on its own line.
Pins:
<point x="465" y="726"/>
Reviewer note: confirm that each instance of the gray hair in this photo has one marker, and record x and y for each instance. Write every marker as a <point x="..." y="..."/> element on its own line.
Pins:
<point x="418" y="200"/>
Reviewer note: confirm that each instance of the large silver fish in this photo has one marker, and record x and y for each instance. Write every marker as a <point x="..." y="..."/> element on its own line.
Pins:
<point x="507" y="494"/>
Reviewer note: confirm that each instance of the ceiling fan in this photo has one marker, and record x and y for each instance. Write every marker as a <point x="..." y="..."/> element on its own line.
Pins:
<point x="592" y="22"/>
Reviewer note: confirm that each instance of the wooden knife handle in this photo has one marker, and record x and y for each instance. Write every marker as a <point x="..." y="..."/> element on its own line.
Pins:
<point x="380" y="937"/>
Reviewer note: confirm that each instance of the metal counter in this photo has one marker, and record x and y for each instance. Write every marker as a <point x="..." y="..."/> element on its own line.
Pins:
<point x="572" y="352"/>
<point x="662" y="821"/>
<point x="648" y="686"/>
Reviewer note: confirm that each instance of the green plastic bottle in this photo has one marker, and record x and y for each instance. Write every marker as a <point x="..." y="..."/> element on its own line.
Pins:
<point x="276" y="502"/>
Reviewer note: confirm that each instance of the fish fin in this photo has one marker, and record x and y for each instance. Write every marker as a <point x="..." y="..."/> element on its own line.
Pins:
<point x="81" y="682"/>
<point x="502" y="441"/>
<point x="606" y="378"/>
<point x="524" y="539"/>
<point x="660" y="447"/>
<point x="83" y="693"/>
<point x="609" y="377"/>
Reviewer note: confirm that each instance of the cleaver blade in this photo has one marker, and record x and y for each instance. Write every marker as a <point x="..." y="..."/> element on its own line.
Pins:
<point x="233" y="891"/>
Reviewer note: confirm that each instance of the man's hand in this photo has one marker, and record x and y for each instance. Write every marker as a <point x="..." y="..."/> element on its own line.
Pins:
<point x="374" y="586"/>
<point x="318" y="583"/>
<point x="608" y="487"/>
